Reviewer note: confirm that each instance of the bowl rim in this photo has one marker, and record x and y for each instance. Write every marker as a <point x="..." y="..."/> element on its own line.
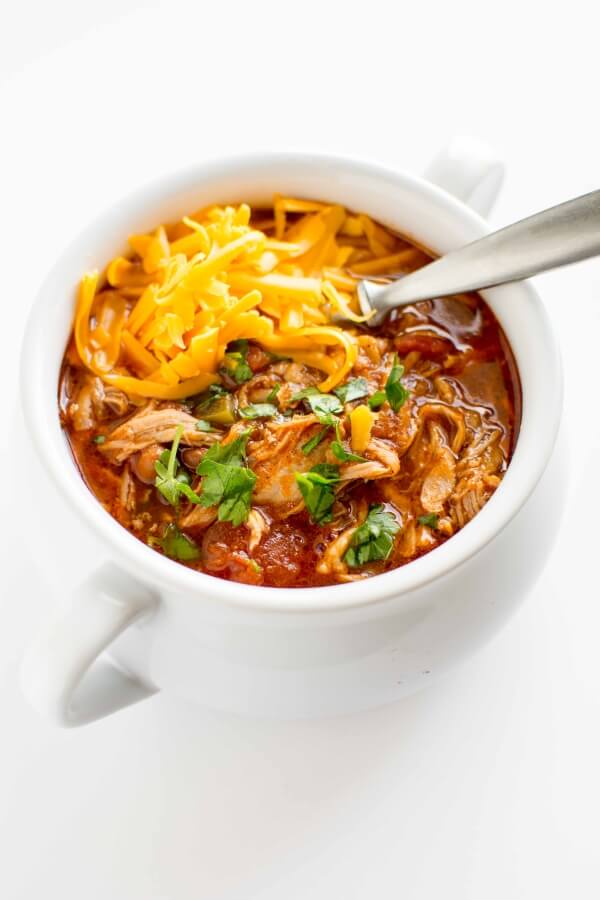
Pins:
<point x="520" y="480"/>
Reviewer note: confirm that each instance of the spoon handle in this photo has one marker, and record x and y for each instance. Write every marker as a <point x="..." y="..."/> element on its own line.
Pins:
<point x="562" y="234"/>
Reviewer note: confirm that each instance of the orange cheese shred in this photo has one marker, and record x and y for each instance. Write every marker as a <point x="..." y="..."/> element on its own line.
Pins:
<point x="157" y="324"/>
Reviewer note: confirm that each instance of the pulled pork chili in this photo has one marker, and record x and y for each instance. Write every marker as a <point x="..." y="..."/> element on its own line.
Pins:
<point x="266" y="479"/>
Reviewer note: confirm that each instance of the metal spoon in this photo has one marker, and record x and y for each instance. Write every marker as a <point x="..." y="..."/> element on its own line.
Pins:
<point x="555" y="237"/>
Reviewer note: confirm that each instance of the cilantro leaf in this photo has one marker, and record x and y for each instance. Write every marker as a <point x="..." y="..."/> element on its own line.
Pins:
<point x="305" y="393"/>
<point x="273" y="392"/>
<point x="324" y="406"/>
<point x="326" y="473"/>
<point x="258" y="411"/>
<point x="203" y="425"/>
<point x="314" y="441"/>
<point x="215" y="480"/>
<point x="171" y="480"/>
<point x="235" y="362"/>
<point x="228" y="487"/>
<point x="175" y="544"/>
<point x="231" y="454"/>
<point x="377" y="400"/>
<point x="396" y="393"/>
<point x="235" y="505"/>
<point x="317" y="491"/>
<point x="184" y="488"/>
<point x="374" y="539"/>
<point x="352" y="390"/>
<point x="430" y="519"/>
<point x="227" y="482"/>
<point x="99" y="439"/>
<point x="340" y="452"/>
<point x="165" y="481"/>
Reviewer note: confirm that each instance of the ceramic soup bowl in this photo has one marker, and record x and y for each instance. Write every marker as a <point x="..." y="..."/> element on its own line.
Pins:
<point x="142" y="623"/>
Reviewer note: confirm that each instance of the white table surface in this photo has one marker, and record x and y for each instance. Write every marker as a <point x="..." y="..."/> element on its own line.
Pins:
<point x="484" y="786"/>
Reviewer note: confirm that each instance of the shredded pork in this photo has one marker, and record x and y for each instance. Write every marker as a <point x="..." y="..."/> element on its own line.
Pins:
<point x="434" y="462"/>
<point x="153" y="426"/>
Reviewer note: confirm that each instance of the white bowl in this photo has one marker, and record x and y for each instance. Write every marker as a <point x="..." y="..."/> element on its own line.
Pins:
<point x="291" y="652"/>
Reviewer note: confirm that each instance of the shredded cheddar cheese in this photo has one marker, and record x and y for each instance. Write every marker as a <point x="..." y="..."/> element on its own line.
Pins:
<point x="161" y="321"/>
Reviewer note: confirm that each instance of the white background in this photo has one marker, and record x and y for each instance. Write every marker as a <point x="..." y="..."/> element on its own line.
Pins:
<point x="485" y="786"/>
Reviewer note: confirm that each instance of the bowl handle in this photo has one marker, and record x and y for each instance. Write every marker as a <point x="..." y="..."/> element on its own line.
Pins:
<point x="469" y="170"/>
<point x="61" y="674"/>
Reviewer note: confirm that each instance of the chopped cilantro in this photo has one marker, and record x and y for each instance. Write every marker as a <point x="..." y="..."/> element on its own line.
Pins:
<point x="235" y="362"/>
<point x="99" y="439"/>
<point x="325" y="406"/>
<point x="237" y="493"/>
<point x="183" y="476"/>
<point x="352" y="390"/>
<point x="175" y="544"/>
<point x="273" y="392"/>
<point x="396" y="393"/>
<point x="171" y="479"/>
<point x="314" y="441"/>
<point x="317" y="491"/>
<point x="305" y="393"/>
<point x="340" y="452"/>
<point x="326" y="472"/>
<point x="227" y="482"/>
<point x="203" y="425"/>
<point x="377" y="400"/>
<point x="430" y="519"/>
<point x="258" y="411"/>
<point x="231" y="454"/>
<point x="374" y="539"/>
